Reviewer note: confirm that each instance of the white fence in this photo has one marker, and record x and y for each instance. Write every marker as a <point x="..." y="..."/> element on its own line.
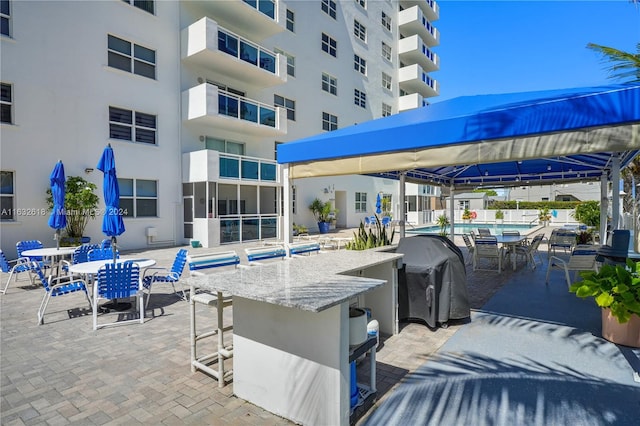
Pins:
<point x="525" y="216"/>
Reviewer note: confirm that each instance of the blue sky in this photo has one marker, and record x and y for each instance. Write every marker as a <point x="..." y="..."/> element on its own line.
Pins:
<point x="516" y="46"/>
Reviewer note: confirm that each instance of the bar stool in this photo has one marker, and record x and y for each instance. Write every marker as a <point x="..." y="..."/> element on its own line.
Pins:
<point x="218" y="302"/>
<point x="204" y="362"/>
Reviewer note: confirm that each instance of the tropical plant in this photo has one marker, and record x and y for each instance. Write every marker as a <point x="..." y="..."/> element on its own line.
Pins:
<point x="466" y="214"/>
<point x="299" y="229"/>
<point x="80" y="203"/>
<point x="499" y="215"/>
<point x="615" y="287"/>
<point x="544" y="215"/>
<point x="322" y="211"/>
<point x="624" y="65"/>
<point x="588" y="212"/>
<point x="443" y="222"/>
<point x="584" y="237"/>
<point x="378" y="237"/>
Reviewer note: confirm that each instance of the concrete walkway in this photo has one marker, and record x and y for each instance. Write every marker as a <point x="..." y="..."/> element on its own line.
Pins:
<point x="62" y="372"/>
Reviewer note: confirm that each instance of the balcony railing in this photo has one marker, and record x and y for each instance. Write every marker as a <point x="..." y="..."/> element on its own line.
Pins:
<point x="245" y="109"/>
<point x="245" y="50"/>
<point x="247" y="168"/>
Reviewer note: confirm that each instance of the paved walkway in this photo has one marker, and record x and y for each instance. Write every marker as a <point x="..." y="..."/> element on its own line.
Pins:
<point x="63" y="372"/>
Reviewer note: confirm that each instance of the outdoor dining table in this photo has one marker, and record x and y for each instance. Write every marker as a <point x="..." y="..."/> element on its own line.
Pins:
<point x="53" y="253"/>
<point x="510" y="242"/>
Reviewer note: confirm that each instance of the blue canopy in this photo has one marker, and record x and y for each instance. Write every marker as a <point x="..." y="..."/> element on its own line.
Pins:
<point x="58" y="217"/>
<point x="486" y="140"/>
<point x="112" y="224"/>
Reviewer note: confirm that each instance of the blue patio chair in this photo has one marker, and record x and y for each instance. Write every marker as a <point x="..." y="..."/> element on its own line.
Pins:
<point x="13" y="268"/>
<point x="164" y="275"/>
<point x="57" y="286"/>
<point x="22" y="246"/>
<point x="101" y="254"/>
<point x="257" y="254"/>
<point x="80" y="255"/>
<point x="386" y="221"/>
<point x="367" y="222"/>
<point x="117" y="281"/>
<point x="106" y="243"/>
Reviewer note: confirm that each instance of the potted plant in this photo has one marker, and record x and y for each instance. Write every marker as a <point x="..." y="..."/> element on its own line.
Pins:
<point x="544" y="216"/>
<point x="584" y="237"/>
<point x="616" y="289"/>
<point x="466" y="215"/>
<point x="443" y="222"/>
<point x="499" y="216"/>
<point x="323" y="213"/>
<point x="81" y="204"/>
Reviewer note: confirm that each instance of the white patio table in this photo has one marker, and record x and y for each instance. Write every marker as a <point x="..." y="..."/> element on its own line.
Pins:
<point x="53" y="253"/>
<point x="510" y="242"/>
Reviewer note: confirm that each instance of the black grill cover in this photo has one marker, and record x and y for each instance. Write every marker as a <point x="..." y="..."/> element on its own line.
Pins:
<point x="432" y="284"/>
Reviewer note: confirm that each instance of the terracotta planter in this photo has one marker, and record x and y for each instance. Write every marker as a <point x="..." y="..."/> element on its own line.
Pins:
<point x="627" y="334"/>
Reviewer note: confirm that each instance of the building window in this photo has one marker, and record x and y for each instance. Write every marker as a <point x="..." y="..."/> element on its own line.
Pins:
<point x="360" y="98"/>
<point x="291" y="62"/>
<point x="132" y="126"/>
<point x="290" y="105"/>
<point x="7" y="196"/>
<point x="5" y="18"/>
<point x="361" y="202"/>
<point x="131" y="57"/>
<point x="291" y="19"/>
<point x="386" y="110"/>
<point x="146" y="5"/>
<point x="330" y="84"/>
<point x="222" y="145"/>
<point x="386" y="81"/>
<point x="359" y="31"/>
<point x="329" y="122"/>
<point x="6" y="103"/>
<point x="463" y="204"/>
<point x="386" y="51"/>
<point x="329" y="7"/>
<point x="360" y="64"/>
<point x="138" y="197"/>
<point x="362" y="3"/>
<point x="386" y="21"/>
<point x="329" y="45"/>
<point x="293" y="199"/>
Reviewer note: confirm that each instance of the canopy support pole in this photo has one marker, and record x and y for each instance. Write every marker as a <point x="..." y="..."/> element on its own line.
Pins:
<point x="286" y="194"/>
<point x="615" y="192"/>
<point x="403" y="210"/>
<point x="604" y="207"/>
<point x="452" y="210"/>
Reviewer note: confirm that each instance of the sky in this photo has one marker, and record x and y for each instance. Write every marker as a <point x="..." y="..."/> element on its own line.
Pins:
<point x="518" y="46"/>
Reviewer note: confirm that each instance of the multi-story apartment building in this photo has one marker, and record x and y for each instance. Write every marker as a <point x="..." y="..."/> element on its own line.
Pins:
<point x="194" y="97"/>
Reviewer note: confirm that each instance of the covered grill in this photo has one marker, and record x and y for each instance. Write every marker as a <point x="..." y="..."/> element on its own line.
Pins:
<point x="432" y="284"/>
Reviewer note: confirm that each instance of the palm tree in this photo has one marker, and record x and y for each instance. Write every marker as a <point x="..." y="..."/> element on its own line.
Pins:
<point x="626" y="67"/>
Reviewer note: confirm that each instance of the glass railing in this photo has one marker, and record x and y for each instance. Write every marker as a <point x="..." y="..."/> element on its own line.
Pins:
<point x="248" y="168"/>
<point x="428" y="26"/>
<point x="429" y="54"/>
<point x="245" y="109"/>
<point x="244" y="50"/>
<point x="266" y="7"/>
<point x="429" y="81"/>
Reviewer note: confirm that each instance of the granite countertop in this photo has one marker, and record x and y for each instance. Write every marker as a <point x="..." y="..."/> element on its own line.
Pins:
<point x="311" y="283"/>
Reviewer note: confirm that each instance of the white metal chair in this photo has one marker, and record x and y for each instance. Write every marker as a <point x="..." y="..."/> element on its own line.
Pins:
<point x="487" y="248"/>
<point x="14" y="268"/>
<point x="198" y="263"/>
<point x="167" y="276"/>
<point x="484" y="232"/>
<point x="561" y="238"/>
<point x="470" y="248"/>
<point x="530" y="251"/>
<point x="583" y="258"/>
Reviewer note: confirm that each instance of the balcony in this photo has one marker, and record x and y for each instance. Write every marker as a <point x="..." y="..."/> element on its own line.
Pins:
<point x="412" y="50"/>
<point x="206" y="104"/>
<point x="413" y="79"/>
<point x="206" y="44"/>
<point x="208" y="165"/>
<point x="411" y="101"/>
<point x="256" y="19"/>
<point x="413" y="21"/>
<point x="430" y="8"/>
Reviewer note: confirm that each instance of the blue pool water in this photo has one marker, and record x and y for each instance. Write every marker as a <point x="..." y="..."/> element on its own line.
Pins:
<point x="464" y="228"/>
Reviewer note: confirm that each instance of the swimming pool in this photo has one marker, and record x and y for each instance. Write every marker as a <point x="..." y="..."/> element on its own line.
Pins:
<point x="464" y="228"/>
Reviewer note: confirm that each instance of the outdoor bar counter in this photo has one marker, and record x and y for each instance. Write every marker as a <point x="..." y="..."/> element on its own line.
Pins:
<point x="291" y="328"/>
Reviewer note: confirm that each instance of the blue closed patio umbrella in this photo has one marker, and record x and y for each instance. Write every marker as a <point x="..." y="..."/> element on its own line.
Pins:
<point x="378" y="204"/>
<point x="58" y="217"/>
<point x="112" y="223"/>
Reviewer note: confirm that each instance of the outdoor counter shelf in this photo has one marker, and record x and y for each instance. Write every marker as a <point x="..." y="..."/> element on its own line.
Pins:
<point x="291" y="328"/>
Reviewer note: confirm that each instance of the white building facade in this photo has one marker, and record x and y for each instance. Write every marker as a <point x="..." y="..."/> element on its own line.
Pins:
<point x="194" y="97"/>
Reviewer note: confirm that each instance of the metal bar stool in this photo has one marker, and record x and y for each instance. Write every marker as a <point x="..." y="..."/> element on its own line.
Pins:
<point x="205" y="362"/>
